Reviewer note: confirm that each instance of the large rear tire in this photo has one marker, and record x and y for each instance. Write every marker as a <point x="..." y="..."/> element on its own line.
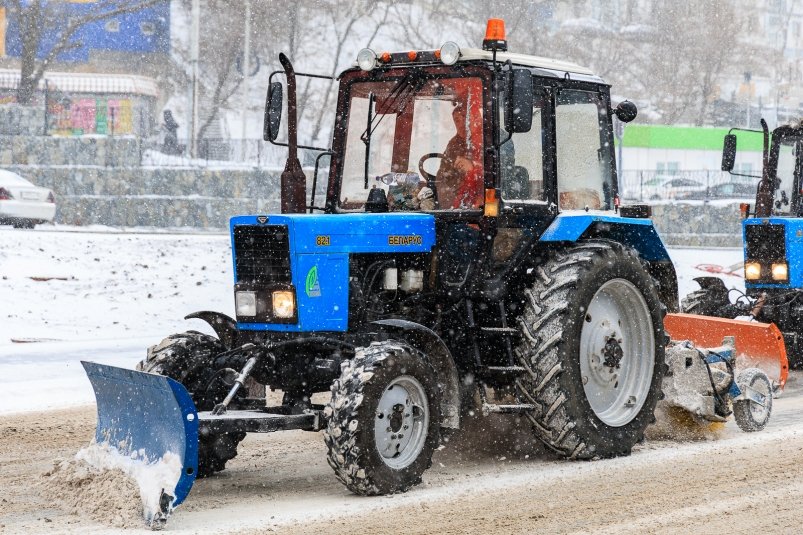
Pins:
<point x="593" y="342"/>
<point x="383" y="419"/>
<point x="189" y="358"/>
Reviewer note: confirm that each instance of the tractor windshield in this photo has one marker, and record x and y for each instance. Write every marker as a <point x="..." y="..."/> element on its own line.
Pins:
<point x="419" y="139"/>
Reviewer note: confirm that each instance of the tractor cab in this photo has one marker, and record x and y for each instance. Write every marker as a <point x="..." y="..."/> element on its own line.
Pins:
<point x="786" y="165"/>
<point x="480" y="131"/>
<point x="779" y="189"/>
<point x="493" y="128"/>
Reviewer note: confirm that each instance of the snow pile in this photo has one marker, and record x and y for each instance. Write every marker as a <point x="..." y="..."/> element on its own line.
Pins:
<point x="109" y="487"/>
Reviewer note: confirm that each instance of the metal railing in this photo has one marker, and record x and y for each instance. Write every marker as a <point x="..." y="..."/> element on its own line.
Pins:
<point x="702" y="185"/>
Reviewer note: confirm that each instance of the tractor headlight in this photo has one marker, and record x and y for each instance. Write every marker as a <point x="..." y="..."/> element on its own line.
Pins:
<point x="366" y="59"/>
<point x="284" y="304"/>
<point x="752" y="271"/>
<point x="245" y="303"/>
<point x="780" y="271"/>
<point x="450" y="53"/>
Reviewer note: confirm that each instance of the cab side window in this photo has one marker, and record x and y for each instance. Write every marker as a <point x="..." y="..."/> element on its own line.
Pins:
<point x="583" y="153"/>
<point x="522" y="159"/>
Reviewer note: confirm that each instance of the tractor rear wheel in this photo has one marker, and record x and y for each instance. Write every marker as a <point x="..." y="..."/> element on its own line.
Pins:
<point x="189" y="358"/>
<point x="383" y="419"/>
<point x="593" y="342"/>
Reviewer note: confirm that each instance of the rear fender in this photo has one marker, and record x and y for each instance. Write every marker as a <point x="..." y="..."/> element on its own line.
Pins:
<point x="636" y="233"/>
<point x="430" y="344"/>
<point x="225" y="327"/>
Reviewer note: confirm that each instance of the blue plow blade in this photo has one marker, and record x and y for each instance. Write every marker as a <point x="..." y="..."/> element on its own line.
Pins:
<point x="147" y="413"/>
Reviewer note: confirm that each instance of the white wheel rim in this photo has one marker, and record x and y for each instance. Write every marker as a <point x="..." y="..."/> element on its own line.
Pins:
<point x="617" y="352"/>
<point x="401" y="422"/>
<point x="760" y="413"/>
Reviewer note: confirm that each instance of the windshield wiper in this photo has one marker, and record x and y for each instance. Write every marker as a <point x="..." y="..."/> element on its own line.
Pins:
<point x="400" y="95"/>
<point x="367" y="139"/>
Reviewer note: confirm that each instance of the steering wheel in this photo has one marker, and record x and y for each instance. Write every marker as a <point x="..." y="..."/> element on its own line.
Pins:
<point x="429" y="176"/>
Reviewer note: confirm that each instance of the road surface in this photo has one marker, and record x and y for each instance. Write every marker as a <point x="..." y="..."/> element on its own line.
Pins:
<point x="480" y="483"/>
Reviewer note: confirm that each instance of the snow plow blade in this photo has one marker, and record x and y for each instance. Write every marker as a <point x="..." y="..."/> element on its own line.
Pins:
<point x="146" y="416"/>
<point x="761" y="345"/>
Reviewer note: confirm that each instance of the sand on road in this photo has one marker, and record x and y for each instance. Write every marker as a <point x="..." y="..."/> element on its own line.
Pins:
<point x="281" y="483"/>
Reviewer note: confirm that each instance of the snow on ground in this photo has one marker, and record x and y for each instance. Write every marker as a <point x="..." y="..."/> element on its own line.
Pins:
<point x="106" y="295"/>
<point x="102" y="296"/>
<point x="687" y="260"/>
<point x="108" y="286"/>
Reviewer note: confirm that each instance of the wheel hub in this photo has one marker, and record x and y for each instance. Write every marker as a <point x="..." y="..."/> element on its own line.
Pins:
<point x="613" y="353"/>
<point x="397" y="417"/>
<point x="401" y="422"/>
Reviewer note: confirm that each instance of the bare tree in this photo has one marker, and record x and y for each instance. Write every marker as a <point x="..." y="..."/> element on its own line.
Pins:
<point x="342" y="23"/>
<point x="40" y="18"/>
<point x="219" y="57"/>
<point x="222" y="25"/>
<point x="693" y="45"/>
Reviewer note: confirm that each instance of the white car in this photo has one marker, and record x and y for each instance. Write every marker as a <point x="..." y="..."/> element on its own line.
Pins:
<point x="667" y="188"/>
<point x="22" y="204"/>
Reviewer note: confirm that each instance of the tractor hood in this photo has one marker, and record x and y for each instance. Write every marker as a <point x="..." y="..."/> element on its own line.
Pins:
<point x="317" y="249"/>
<point x="352" y="233"/>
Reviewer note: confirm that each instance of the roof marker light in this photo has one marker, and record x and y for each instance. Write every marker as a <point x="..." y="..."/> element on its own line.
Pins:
<point x="366" y="59"/>
<point x="412" y="55"/>
<point x="495" y="35"/>
<point x="385" y="57"/>
<point x="449" y="53"/>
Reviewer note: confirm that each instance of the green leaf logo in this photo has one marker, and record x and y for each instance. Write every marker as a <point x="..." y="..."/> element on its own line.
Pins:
<point x="311" y="286"/>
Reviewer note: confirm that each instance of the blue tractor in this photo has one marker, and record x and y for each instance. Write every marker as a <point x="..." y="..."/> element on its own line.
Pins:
<point x="470" y="257"/>
<point x="773" y="244"/>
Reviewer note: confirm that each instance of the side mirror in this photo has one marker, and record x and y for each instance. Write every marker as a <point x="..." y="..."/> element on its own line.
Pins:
<point x="519" y="105"/>
<point x="729" y="153"/>
<point x="626" y="111"/>
<point x="273" y="112"/>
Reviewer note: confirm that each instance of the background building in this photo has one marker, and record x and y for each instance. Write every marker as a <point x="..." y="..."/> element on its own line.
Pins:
<point x="137" y="35"/>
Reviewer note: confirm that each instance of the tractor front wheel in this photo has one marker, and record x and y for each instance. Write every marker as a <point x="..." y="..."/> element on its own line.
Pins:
<point x="189" y="358"/>
<point x="383" y="419"/>
<point x="593" y="342"/>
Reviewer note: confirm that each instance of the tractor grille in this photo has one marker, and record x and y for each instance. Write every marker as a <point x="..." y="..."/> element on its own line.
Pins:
<point x="262" y="253"/>
<point x="765" y="243"/>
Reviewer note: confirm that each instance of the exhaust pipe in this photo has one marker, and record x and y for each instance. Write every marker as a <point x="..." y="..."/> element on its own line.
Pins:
<point x="766" y="187"/>
<point x="293" y="181"/>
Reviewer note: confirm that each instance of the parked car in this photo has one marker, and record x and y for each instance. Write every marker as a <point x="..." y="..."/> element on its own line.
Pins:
<point x="22" y="204"/>
<point x="671" y="188"/>
<point x="665" y="187"/>
<point x="732" y="190"/>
